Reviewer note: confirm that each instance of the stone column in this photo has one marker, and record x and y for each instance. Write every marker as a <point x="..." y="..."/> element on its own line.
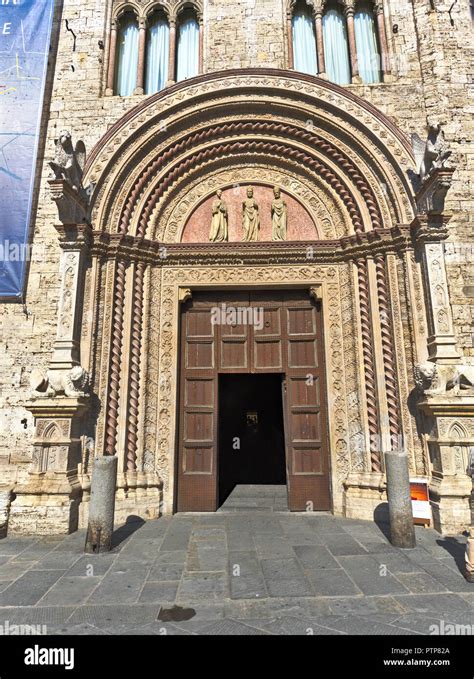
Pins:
<point x="141" y="57"/>
<point x="318" y="24"/>
<point x="112" y="58"/>
<point x="172" y="58"/>
<point x="349" y="12"/>
<point x="289" y="32"/>
<point x="74" y="240"/>
<point x="469" y="572"/>
<point x="201" y="46"/>
<point x="385" y="56"/>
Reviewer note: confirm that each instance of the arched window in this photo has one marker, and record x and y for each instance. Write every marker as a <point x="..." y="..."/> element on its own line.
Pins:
<point x="368" y="53"/>
<point x="187" y="57"/>
<point x="127" y="55"/>
<point x="304" y="40"/>
<point x="157" y="53"/>
<point x="336" y="47"/>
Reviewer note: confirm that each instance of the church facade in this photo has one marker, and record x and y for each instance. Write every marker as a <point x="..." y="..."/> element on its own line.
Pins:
<point x="275" y="201"/>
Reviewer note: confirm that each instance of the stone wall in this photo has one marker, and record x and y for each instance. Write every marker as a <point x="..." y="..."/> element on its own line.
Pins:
<point x="431" y="76"/>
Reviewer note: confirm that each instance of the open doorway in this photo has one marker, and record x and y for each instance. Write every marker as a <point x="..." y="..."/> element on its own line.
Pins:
<point x="251" y="432"/>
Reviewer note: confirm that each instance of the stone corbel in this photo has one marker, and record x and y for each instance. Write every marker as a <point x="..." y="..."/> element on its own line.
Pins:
<point x="72" y="208"/>
<point x="431" y="197"/>
<point x="316" y="292"/>
<point x="184" y="294"/>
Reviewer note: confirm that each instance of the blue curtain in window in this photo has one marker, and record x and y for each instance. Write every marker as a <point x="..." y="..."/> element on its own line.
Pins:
<point x="157" y="55"/>
<point x="188" y="49"/>
<point x="304" y="44"/>
<point x="127" y="59"/>
<point x="367" y="49"/>
<point x="336" y="47"/>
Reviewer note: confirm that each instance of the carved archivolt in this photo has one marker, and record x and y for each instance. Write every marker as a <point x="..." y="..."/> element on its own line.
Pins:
<point x="335" y="139"/>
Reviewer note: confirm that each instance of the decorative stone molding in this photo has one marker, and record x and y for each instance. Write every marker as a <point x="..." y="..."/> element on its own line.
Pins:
<point x="387" y="153"/>
<point x="449" y="431"/>
<point x="53" y="476"/>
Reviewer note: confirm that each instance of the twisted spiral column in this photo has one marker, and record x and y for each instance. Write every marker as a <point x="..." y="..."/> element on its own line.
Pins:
<point x="391" y="384"/>
<point x="115" y="360"/>
<point x="368" y="357"/>
<point x="135" y="364"/>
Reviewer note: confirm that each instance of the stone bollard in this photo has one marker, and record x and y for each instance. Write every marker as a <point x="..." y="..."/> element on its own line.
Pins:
<point x="469" y="572"/>
<point x="102" y="505"/>
<point x="402" y="530"/>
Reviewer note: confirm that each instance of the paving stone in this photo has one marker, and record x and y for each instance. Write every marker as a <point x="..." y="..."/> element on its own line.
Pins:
<point x="367" y="575"/>
<point x="154" y="592"/>
<point x="342" y="545"/>
<point x="363" y="626"/>
<point x="246" y="579"/>
<point x="292" y="626"/>
<point x="239" y="541"/>
<point x="439" y="604"/>
<point x="367" y="605"/>
<point x="12" y="570"/>
<point x="284" y="577"/>
<point x="273" y="547"/>
<point x="54" y="563"/>
<point x="29" y="588"/>
<point x="229" y="627"/>
<point x="311" y="557"/>
<point x="165" y="572"/>
<point x="15" y="546"/>
<point x="421" y="583"/>
<point x="331" y="582"/>
<point x="203" y="586"/>
<point x="106" y="615"/>
<point x="206" y="557"/>
<point x="418" y="555"/>
<point x="70" y="590"/>
<point x="397" y="563"/>
<point x="92" y="565"/>
<point x="448" y="578"/>
<point x="173" y="556"/>
<point x="122" y="585"/>
<point x="36" y="615"/>
<point x="82" y="629"/>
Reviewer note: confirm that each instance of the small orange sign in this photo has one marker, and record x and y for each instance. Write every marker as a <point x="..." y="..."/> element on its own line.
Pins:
<point x="419" y="491"/>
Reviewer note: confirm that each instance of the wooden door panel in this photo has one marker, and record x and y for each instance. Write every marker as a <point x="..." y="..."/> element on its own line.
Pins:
<point x="197" y="453"/>
<point x="267" y="349"/>
<point x="307" y="461"/>
<point x="308" y="465"/>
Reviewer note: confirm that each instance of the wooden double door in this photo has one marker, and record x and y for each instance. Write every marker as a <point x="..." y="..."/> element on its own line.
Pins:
<point x="257" y="332"/>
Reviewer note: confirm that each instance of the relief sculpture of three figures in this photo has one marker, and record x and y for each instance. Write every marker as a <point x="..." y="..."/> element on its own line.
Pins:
<point x="250" y="218"/>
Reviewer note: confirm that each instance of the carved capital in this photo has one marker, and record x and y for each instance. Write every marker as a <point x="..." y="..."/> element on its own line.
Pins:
<point x="74" y="236"/>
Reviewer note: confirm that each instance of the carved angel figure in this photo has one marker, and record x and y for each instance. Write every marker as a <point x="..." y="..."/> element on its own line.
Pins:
<point x="430" y="154"/>
<point x="69" y="162"/>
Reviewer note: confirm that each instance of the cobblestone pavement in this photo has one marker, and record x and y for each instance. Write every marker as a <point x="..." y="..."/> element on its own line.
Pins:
<point x="250" y="568"/>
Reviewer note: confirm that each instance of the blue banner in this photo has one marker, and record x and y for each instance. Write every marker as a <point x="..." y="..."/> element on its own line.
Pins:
<point x="25" y="33"/>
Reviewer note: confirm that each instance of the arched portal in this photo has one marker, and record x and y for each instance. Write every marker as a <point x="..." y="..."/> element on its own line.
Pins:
<point x="341" y="167"/>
